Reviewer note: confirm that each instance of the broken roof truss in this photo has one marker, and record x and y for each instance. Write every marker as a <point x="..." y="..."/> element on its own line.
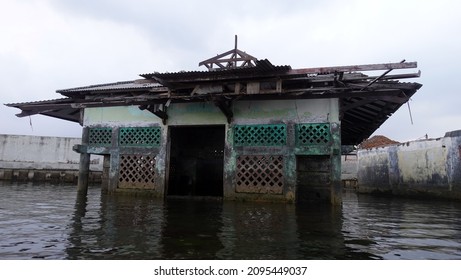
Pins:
<point x="230" y="59"/>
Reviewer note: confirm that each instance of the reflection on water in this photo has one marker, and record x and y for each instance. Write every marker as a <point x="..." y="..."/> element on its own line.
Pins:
<point x="52" y="222"/>
<point x="403" y="229"/>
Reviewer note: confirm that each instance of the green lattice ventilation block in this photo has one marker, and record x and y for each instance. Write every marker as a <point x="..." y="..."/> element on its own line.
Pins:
<point x="140" y="136"/>
<point x="100" y="136"/>
<point x="260" y="135"/>
<point x="313" y="134"/>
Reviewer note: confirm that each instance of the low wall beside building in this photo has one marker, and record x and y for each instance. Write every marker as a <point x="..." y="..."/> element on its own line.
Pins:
<point x="429" y="167"/>
<point x="40" y="158"/>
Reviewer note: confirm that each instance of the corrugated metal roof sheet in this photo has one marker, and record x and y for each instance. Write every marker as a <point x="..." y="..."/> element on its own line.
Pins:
<point x="49" y="101"/>
<point x="58" y="108"/>
<point x="126" y="85"/>
<point x="262" y="68"/>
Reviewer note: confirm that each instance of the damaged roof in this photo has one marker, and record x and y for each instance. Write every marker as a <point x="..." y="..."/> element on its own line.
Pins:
<point x="365" y="101"/>
<point x="263" y="68"/>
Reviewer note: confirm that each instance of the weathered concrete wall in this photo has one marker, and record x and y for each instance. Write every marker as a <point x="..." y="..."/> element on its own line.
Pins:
<point x="426" y="167"/>
<point x="289" y="113"/>
<point x="40" y="158"/>
<point x="115" y="118"/>
<point x="286" y="113"/>
<point x="453" y="146"/>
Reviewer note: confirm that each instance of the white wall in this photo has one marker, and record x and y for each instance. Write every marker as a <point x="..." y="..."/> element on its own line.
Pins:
<point x="420" y="167"/>
<point x="39" y="152"/>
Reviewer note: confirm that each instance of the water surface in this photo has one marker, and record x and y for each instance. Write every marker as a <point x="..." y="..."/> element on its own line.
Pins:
<point x="51" y="222"/>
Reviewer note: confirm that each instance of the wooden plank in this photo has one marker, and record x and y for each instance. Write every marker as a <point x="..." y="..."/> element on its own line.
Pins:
<point x="353" y="68"/>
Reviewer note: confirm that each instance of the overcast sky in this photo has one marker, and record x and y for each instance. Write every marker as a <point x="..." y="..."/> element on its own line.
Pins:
<point x="46" y="45"/>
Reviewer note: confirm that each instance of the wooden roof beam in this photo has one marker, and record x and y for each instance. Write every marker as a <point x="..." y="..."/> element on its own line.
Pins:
<point x="354" y="68"/>
<point x="380" y="77"/>
<point x="342" y="93"/>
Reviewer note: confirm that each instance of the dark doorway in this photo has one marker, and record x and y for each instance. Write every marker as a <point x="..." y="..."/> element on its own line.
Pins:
<point x="196" y="161"/>
<point x="313" y="179"/>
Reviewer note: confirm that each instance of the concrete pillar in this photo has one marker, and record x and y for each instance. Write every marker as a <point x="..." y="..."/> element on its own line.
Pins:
<point x="335" y="126"/>
<point x="114" y="165"/>
<point x="84" y="168"/>
<point x="105" y="174"/>
<point x="229" y="164"/>
<point x="336" y="186"/>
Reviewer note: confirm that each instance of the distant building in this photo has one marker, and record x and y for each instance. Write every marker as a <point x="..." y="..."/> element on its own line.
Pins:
<point x="245" y="129"/>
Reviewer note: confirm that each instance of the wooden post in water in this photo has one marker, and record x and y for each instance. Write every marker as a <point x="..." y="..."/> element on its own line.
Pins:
<point x="84" y="168"/>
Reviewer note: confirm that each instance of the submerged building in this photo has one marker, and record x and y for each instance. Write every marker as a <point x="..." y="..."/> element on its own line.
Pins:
<point x="244" y="129"/>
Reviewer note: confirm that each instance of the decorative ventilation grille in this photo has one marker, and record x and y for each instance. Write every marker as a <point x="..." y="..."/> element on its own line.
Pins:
<point x="313" y="134"/>
<point x="136" y="171"/>
<point x="140" y="136"/>
<point x="100" y="136"/>
<point x="260" y="135"/>
<point x="260" y="174"/>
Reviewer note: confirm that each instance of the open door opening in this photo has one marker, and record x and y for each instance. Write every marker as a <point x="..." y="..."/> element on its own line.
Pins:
<point x="313" y="179"/>
<point x="196" y="161"/>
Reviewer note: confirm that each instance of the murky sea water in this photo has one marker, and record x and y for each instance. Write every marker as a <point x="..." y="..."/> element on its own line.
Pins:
<point x="51" y="222"/>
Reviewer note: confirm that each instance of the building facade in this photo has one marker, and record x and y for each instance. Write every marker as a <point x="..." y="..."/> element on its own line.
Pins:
<point x="273" y="149"/>
<point x="252" y="131"/>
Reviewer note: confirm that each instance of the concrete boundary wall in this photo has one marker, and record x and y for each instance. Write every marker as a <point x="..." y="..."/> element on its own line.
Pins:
<point x="419" y="168"/>
<point x="41" y="158"/>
